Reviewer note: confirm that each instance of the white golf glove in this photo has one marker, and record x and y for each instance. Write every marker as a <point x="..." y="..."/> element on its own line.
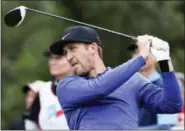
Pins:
<point x="160" y="49"/>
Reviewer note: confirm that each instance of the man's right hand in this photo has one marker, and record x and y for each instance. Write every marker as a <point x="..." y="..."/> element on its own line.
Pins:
<point x="143" y="43"/>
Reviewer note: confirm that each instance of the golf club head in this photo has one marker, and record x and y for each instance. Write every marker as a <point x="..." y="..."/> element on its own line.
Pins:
<point x="15" y="16"/>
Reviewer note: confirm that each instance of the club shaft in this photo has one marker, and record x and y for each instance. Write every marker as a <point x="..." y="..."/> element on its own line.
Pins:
<point x="82" y="23"/>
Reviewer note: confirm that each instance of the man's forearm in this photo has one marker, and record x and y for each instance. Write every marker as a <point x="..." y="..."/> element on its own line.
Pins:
<point x="172" y="96"/>
<point x="166" y="99"/>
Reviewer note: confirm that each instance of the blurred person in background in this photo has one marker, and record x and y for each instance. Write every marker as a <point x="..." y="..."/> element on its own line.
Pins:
<point x="147" y="118"/>
<point x="25" y="122"/>
<point x="180" y="124"/>
<point x="46" y="110"/>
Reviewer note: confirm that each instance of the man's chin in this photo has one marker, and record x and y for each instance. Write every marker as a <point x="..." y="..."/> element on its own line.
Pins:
<point x="55" y="73"/>
<point x="80" y="72"/>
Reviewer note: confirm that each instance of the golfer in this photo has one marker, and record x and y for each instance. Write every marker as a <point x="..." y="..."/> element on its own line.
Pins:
<point x="98" y="97"/>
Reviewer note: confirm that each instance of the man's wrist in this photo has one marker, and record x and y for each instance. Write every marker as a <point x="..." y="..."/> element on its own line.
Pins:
<point x="166" y="66"/>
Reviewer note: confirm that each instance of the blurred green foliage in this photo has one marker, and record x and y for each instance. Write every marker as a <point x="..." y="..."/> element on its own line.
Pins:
<point x="22" y="47"/>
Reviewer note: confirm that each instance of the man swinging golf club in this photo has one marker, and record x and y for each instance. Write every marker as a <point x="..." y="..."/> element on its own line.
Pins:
<point x="98" y="97"/>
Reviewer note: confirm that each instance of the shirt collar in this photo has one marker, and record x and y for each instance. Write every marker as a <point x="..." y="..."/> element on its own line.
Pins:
<point x="99" y="74"/>
<point x="154" y="76"/>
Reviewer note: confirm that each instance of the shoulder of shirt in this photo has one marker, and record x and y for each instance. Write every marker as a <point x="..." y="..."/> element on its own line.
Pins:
<point x="48" y="82"/>
<point x="36" y="83"/>
<point x="70" y="78"/>
<point x="40" y="84"/>
<point x="67" y="80"/>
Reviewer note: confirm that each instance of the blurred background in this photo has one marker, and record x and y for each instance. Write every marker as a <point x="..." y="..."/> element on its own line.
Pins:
<point x="22" y="47"/>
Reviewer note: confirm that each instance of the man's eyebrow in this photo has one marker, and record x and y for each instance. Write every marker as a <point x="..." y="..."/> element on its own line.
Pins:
<point x="71" y="45"/>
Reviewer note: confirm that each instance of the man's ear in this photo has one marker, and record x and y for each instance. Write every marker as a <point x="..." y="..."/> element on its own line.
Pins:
<point x="94" y="48"/>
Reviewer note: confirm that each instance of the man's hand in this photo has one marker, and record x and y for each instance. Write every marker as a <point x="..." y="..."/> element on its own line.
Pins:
<point x="160" y="49"/>
<point x="143" y="43"/>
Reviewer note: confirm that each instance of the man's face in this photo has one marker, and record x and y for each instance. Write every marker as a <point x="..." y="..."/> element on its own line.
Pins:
<point x="80" y="57"/>
<point x="150" y="63"/>
<point x="30" y="97"/>
<point x="59" y="66"/>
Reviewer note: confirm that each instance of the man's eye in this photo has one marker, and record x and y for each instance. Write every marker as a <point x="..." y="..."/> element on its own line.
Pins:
<point x="64" y="53"/>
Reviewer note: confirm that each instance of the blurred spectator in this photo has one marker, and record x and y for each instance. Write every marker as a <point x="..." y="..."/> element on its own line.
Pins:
<point x="25" y="122"/>
<point x="180" y="124"/>
<point x="149" y="119"/>
<point x="46" y="110"/>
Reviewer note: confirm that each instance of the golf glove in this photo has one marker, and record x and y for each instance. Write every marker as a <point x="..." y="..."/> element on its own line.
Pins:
<point x="160" y="49"/>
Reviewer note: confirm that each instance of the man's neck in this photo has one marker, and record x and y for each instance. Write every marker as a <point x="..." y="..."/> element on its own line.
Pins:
<point x="59" y="77"/>
<point x="99" y="67"/>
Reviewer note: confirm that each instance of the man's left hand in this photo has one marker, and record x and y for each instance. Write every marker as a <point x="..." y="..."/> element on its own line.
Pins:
<point x="160" y="49"/>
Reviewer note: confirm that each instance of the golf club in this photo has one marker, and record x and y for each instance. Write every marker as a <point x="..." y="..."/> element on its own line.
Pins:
<point x="17" y="15"/>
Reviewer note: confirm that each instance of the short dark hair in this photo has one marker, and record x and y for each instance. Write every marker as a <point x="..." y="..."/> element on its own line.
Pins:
<point x="25" y="89"/>
<point x="100" y="51"/>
